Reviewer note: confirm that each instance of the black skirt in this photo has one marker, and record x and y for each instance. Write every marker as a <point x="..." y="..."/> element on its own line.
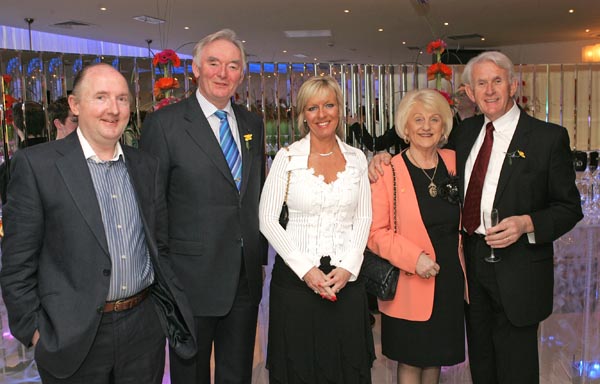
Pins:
<point x="313" y="340"/>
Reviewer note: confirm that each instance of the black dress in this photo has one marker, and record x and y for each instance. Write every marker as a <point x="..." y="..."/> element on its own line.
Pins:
<point x="439" y="341"/>
<point x="313" y="340"/>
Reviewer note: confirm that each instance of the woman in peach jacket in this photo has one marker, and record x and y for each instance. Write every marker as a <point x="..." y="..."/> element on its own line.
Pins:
<point x="423" y="326"/>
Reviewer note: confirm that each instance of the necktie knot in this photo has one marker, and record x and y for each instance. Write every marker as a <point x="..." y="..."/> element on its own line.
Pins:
<point x="489" y="127"/>
<point x="221" y="114"/>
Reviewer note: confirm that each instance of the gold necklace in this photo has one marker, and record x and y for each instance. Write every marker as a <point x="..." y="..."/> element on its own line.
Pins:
<point x="432" y="188"/>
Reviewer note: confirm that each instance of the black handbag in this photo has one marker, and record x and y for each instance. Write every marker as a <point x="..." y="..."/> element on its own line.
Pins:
<point x="284" y="215"/>
<point x="379" y="275"/>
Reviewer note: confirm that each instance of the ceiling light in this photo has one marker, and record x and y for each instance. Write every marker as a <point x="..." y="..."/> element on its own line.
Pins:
<point x="380" y="29"/>
<point x="587" y="30"/>
<point x="243" y="41"/>
<point x="300" y="56"/>
<point x="149" y="19"/>
<point x="315" y="59"/>
<point x="483" y="39"/>
<point x="404" y="43"/>
<point x="186" y="27"/>
<point x="103" y="8"/>
<point x="571" y="11"/>
<point x="308" y="33"/>
<point x="446" y="23"/>
<point x="346" y="11"/>
<point x="284" y="51"/>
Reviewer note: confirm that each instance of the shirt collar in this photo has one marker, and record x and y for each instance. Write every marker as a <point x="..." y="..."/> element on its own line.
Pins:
<point x="208" y="108"/>
<point x="89" y="153"/>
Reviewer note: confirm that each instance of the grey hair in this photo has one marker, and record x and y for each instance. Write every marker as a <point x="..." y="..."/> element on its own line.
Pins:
<point x="498" y="58"/>
<point x="223" y="34"/>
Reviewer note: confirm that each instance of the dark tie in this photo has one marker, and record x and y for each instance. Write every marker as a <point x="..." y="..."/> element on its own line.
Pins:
<point x="472" y="209"/>
<point x="230" y="150"/>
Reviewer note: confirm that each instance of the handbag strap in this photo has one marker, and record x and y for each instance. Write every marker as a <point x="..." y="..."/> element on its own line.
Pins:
<point x="287" y="184"/>
<point x="395" y="209"/>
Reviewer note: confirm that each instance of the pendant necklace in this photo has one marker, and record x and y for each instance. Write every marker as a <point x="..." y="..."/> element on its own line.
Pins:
<point x="432" y="188"/>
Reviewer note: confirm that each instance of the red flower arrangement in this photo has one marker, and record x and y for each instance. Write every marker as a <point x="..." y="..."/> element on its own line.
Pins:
<point x="163" y="87"/>
<point x="8" y="99"/>
<point x="438" y="70"/>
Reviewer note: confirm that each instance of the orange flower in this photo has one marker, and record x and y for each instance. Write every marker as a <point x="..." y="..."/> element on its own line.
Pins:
<point x="437" y="46"/>
<point x="439" y="68"/>
<point x="167" y="56"/>
<point x="165" y="83"/>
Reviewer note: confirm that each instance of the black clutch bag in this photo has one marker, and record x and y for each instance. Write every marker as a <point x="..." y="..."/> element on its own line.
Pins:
<point x="379" y="275"/>
<point x="284" y="215"/>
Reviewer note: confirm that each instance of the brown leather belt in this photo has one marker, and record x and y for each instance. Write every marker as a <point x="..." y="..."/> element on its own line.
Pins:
<point x="128" y="303"/>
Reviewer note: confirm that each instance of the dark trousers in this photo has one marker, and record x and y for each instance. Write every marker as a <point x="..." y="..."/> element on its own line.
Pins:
<point x="233" y="336"/>
<point x="499" y="352"/>
<point x="129" y="348"/>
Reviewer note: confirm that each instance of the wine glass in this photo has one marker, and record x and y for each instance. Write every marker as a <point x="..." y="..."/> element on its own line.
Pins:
<point x="490" y="219"/>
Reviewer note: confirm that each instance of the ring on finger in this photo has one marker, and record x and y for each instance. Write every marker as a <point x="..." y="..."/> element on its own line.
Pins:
<point x="317" y="291"/>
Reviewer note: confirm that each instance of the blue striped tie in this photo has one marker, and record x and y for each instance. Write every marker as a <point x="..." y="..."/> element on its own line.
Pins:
<point x="230" y="150"/>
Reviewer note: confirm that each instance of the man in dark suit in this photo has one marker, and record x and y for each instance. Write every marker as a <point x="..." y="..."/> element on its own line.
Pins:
<point x="216" y="249"/>
<point x="81" y="275"/>
<point x="530" y="180"/>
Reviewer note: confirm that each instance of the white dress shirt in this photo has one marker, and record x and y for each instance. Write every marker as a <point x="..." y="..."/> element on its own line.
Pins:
<point x="504" y="129"/>
<point x="215" y="123"/>
<point x="325" y="219"/>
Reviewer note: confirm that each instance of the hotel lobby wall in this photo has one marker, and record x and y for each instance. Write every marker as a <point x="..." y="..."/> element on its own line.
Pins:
<point x="566" y="94"/>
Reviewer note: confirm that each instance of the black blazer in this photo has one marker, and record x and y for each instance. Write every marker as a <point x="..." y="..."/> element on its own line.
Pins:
<point x="541" y="185"/>
<point x="213" y="228"/>
<point x="55" y="260"/>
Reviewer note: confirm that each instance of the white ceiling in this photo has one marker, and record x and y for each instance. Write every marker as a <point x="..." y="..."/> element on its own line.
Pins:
<point x="355" y="36"/>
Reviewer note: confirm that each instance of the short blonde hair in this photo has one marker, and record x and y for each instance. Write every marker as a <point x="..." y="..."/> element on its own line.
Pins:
<point x="432" y="101"/>
<point x="314" y="86"/>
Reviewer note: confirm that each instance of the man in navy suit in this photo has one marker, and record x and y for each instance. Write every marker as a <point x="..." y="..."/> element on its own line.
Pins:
<point x="81" y="272"/>
<point x="216" y="248"/>
<point x="531" y="181"/>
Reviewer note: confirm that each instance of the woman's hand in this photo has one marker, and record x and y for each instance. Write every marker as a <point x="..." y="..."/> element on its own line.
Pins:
<point x="337" y="279"/>
<point x="426" y="267"/>
<point x="317" y="281"/>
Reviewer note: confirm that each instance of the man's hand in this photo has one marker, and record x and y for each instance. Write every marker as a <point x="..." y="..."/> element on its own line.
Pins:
<point x="508" y="231"/>
<point x="375" y="167"/>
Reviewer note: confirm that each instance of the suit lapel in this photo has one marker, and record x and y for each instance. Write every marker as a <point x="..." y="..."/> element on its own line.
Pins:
<point x="76" y="175"/>
<point x="519" y="141"/>
<point x="202" y="134"/>
<point x="244" y="129"/>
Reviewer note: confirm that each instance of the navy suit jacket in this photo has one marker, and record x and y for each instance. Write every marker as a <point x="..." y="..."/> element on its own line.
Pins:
<point x="213" y="227"/>
<point x="56" y="264"/>
<point x="541" y="185"/>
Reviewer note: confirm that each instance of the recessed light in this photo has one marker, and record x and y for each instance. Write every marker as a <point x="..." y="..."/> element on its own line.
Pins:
<point x="315" y="59"/>
<point x="380" y="29"/>
<point x="571" y="11"/>
<point x="149" y="19"/>
<point x="483" y="39"/>
<point x="346" y="11"/>
<point x="284" y="51"/>
<point x="587" y="30"/>
<point x="243" y="41"/>
<point x="186" y="27"/>
<point x="404" y="43"/>
<point x="446" y="23"/>
<point x="103" y="8"/>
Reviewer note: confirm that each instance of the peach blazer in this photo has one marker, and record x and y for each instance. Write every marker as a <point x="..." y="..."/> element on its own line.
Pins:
<point x="414" y="295"/>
